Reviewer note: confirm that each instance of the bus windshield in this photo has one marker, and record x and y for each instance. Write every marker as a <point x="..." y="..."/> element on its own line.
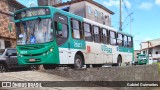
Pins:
<point x="34" y="32"/>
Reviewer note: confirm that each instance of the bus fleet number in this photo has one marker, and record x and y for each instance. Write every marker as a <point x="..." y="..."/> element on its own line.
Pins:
<point x="77" y="44"/>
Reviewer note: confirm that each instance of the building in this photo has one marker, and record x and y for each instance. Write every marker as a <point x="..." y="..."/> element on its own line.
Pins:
<point x="136" y="52"/>
<point x="151" y="48"/>
<point x="7" y="26"/>
<point x="48" y="2"/>
<point x="88" y="9"/>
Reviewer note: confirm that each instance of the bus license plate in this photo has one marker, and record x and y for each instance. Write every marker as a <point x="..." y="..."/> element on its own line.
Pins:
<point x="32" y="60"/>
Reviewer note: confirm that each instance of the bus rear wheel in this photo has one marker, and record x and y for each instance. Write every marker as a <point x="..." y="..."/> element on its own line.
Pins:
<point x="119" y="61"/>
<point x="78" y="62"/>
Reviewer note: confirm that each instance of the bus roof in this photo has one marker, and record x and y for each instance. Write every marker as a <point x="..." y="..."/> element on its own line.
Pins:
<point x="71" y="15"/>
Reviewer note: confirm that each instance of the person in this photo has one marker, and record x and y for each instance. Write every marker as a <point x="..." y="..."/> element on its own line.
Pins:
<point x="45" y="33"/>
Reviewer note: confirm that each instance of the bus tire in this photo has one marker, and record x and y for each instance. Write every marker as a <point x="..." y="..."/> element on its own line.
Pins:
<point x="78" y="63"/>
<point x="34" y="67"/>
<point x="49" y="66"/>
<point x="3" y="68"/>
<point x="119" y="60"/>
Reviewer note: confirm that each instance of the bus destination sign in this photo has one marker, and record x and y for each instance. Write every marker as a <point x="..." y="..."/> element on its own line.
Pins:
<point x="32" y="12"/>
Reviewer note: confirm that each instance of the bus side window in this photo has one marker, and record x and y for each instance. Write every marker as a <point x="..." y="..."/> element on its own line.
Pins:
<point x="96" y="34"/>
<point x="129" y="42"/>
<point x="120" y="39"/>
<point x="125" y="41"/>
<point x="112" y="38"/>
<point x="104" y="36"/>
<point x="87" y="32"/>
<point x="76" y="29"/>
<point x="63" y="32"/>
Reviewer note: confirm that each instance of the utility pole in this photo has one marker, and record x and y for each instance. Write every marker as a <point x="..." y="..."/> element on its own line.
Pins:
<point x="120" y="22"/>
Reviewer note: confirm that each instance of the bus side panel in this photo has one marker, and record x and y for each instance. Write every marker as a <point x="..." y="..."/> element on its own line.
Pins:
<point x="126" y="54"/>
<point x="67" y="55"/>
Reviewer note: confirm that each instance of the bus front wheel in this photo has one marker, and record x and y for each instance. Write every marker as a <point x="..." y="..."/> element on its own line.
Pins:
<point x="78" y="62"/>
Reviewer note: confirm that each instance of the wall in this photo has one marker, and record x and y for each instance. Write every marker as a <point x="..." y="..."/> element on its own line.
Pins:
<point x="81" y="9"/>
<point x="48" y="2"/>
<point x="154" y="50"/>
<point x="4" y="23"/>
<point x="78" y="8"/>
<point x="131" y="73"/>
<point x="99" y="18"/>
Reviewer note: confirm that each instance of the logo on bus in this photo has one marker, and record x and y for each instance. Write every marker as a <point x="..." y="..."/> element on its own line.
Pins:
<point x="106" y="49"/>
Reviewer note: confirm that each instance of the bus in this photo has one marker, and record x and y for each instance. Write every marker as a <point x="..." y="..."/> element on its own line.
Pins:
<point x="52" y="37"/>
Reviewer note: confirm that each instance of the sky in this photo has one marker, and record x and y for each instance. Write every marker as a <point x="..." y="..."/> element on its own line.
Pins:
<point x="145" y="17"/>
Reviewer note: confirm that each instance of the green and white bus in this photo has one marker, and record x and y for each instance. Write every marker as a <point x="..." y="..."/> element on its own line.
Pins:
<point x="51" y="37"/>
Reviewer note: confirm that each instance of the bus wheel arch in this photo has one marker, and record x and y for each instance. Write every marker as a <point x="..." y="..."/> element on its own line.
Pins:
<point x="78" y="60"/>
<point x="82" y="56"/>
<point x="119" y="60"/>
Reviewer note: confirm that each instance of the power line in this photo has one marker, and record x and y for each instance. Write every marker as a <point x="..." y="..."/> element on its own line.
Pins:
<point x="129" y="14"/>
<point x="125" y="6"/>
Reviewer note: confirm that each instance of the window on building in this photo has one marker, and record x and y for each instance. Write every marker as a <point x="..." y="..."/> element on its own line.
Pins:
<point x="129" y="42"/>
<point x="156" y="52"/>
<point x="76" y="32"/>
<point x="7" y="44"/>
<point x="96" y="33"/>
<point x="89" y="10"/>
<point x="144" y="52"/>
<point x="104" y="23"/>
<point x="104" y="36"/>
<point x="11" y="11"/>
<point x="125" y="41"/>
<point x="120" y="39"/>
<point x="112" y="38"/>
<point x="102" y="15"/>
<point x="87" y="31"/>
<point x="96" y="13"/>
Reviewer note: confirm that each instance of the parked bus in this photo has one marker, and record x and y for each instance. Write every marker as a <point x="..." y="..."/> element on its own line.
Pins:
<point x="51" y="37"/>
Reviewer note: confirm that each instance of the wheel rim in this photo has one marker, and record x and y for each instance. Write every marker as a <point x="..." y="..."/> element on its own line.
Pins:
<point x="33" y="67"/>
<point x="78" y="63"/>
<point x="119" y="63"/>
<point x="2" y="69"/>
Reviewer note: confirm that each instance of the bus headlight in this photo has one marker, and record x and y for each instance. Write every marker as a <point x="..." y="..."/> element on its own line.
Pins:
<point x="51" y="49"/>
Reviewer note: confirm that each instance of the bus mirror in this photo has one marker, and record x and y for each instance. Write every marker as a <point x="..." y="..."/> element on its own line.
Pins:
<point x="60" y="26"/>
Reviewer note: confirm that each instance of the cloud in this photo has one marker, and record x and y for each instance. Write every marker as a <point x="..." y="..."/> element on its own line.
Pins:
<point x="111" y="3"/>
<point x="128" y="4"/>
<point x="157" y="2"/>
<point x="146" y="5"/>
<point x="115" y="3"/>
<point x="147" y="39"/>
